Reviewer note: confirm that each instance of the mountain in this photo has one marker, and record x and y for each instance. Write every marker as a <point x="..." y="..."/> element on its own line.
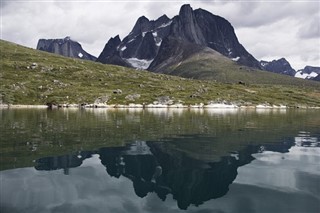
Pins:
<point x="281" y="66"/>
<point x="65" y="47"/>
<point x="143" y="47"/>
<point x="309" y="72"/>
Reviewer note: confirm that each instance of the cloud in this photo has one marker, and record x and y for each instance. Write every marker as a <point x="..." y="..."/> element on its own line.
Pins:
<point x="268" y="29"/>
<point x="311" y="29"/>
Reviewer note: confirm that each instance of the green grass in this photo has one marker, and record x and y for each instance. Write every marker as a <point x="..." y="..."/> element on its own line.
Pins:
<point x="66" y="80"/>
<point x="211" y="65"/>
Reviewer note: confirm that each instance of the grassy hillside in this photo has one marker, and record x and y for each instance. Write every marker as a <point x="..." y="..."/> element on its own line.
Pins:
<point x="29" y="76"/>
<point x="209" y="64"/>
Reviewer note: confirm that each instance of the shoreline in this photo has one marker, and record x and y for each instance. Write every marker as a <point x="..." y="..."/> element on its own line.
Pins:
<point x="153" y="106"/>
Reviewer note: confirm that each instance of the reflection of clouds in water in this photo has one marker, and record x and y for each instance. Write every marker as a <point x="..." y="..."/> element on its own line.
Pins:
<point x="295" y="171"/>
<point x="304" y="139"/>
<point x="85" y="189"/>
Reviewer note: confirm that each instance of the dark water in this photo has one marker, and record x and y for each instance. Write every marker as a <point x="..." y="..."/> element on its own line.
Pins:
<point x="160" y="161"/>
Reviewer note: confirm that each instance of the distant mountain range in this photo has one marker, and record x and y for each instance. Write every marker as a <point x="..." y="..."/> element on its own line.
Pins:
<point x="282" y="66"/>
<point x="194" y="44"/>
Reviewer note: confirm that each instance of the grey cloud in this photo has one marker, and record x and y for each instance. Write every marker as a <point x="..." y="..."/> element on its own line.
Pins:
<point x="257" y="14"/>
<point x="311" y="29"/>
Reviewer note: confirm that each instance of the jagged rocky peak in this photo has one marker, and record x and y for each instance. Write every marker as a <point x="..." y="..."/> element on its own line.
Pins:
<point x="281" y="66"/>
<point x="110" y="48"/>
<point x="65" y="47"/>
<point x="185" y="26"/>
<point x="110" y="54"/>
<point x="161" y="20"/>
<point x="186" y="11"/>
<point x="142" y="25"/>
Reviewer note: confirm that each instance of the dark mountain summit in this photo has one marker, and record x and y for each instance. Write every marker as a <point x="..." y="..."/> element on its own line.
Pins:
<point x="197" y="27"/>
<point x="281" y="66"/>
<point x="205" y="29"/>
<point x="65" y="47"/>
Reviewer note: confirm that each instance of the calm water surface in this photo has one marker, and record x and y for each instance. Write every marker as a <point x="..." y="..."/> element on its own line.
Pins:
<point x="219" y="161"/>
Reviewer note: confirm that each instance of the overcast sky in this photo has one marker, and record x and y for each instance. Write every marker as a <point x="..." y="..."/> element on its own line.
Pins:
<point x="268" y="29"/>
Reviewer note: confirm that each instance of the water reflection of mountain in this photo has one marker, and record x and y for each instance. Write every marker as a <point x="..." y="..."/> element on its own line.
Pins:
<point x="166" y="168"/>
<point x="62" y="162"/>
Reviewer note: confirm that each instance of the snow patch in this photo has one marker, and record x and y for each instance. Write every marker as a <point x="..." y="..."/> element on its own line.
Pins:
<point x="313" y="74"/>
<point x="130" y="41"/>
<point x="155" y="34"/>
<point x="236" y="59"/>
<point x="139" y="63"/>
<point x="80" y="55"/>
<point x="165" y="25"/>
<point x="159" y="43"/>
<point x="264" y="64"/>
<point x="303" y="75"/>
<point x="229" y="51"/>
<point x="220" y="105"/>
<point x="123" y="48"/>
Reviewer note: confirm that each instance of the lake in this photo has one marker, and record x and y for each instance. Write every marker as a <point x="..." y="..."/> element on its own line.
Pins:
<point x="160" y="160"/>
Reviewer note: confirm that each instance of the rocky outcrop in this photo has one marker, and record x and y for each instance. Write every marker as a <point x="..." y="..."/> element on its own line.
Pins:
<point x="281" y="66"/>
<point x="65" y="47"/>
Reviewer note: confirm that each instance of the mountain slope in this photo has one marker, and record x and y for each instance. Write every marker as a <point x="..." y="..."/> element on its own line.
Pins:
<point x="65" y="47"/>
<point x="31" y="76"/>
<point x="189" y="60"/>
